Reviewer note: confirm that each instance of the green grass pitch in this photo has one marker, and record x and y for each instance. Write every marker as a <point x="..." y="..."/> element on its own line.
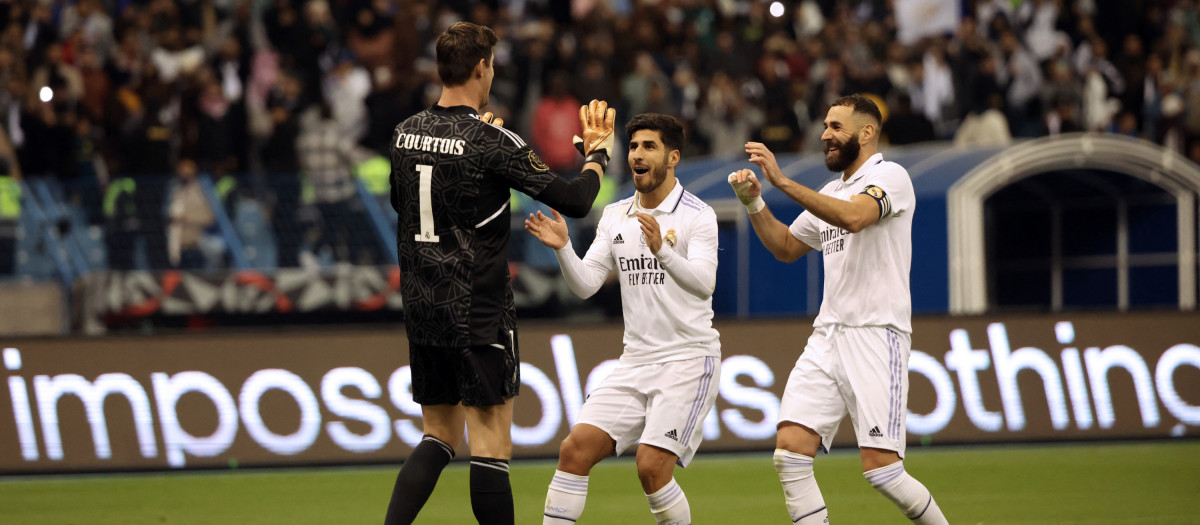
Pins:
<point x="1142" y="483"/>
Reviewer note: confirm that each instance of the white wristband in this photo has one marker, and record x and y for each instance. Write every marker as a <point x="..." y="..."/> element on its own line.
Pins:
<point x="756" y="205"/>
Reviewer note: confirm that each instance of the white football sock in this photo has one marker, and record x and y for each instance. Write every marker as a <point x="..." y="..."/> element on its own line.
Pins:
<point x="906" y="492"/>
<point x="800" y="491"/>
<point x="670" y="505"/>
<point x="565" y="498"/>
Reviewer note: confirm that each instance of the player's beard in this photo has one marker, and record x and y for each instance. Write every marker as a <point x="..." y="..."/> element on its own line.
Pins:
<point x="657" y="175"/>
<point x="846" y="155"/>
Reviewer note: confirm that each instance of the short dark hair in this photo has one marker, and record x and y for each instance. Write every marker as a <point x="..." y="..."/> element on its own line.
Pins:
<point x="459" y="48"/>
<point x="668" y="128"/>
<point x="861" y="105"/>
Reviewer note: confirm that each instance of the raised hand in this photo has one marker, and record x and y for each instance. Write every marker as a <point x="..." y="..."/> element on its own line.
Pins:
<point x="491" y="119"/>
<point x="599" y="123"/>
<point x="552" y="232"/>
<point x="745" y="185"/>
<point x="760" y="155"/>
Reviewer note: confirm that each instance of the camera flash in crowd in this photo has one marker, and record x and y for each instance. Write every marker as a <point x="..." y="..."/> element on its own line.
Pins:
<point x="776" y="9"/>
<point x="46" y="94"/>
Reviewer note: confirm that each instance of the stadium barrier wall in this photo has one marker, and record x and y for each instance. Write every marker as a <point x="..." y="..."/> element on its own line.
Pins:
<point x="340" y="397"/>
<point x="113" y="299"/>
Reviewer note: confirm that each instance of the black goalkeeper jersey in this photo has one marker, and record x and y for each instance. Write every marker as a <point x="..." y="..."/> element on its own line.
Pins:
<point x="451" y="174"/>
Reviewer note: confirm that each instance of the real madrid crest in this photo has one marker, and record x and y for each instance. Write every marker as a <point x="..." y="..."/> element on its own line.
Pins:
<point x="669" y="238"/>
<point x="536" y="162"/>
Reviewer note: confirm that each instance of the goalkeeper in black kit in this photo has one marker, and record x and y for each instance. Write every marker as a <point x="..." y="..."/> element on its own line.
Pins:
<point x="451" y="174"/>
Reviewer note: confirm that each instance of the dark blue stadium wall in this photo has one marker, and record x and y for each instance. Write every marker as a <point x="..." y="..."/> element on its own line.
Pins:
<point x="930" y="277"/>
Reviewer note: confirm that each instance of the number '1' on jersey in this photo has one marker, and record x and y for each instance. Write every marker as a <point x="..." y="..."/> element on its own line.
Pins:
<point x="451" y="174"/>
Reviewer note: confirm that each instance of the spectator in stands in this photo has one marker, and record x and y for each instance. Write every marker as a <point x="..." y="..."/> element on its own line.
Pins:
<point x="904" y="126"/>
<point x="327" y="160"/>
<point x="39" y="31"/>
<point x="593" y="81"/>
<point x="1023" y="77"/>
<point x="62" y="77"/>
<point x="556" y="116"/>
<point x="230" y="69"/>
<point x="133" y="66"/>
<point x="121" y="223"/>
<point x="781" y="128"/>
<point x="95" y="27"/>
<point x="1063" y="93"/>
<point x="10" y="204"/>
<point x="45" y="130"/>
<point x="97" y="85"/>
<point x="728" y="120"/>
<point x="346" y="86"/>
<point x="215" y="126"/>
<point x="190" y="217"/>
<point x="284" y="105"/>
<point x="635" y="87"/>
<point x="386" y="106"/>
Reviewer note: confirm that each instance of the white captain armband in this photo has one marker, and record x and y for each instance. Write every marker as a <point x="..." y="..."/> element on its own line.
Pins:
<point x="881" y="198"/>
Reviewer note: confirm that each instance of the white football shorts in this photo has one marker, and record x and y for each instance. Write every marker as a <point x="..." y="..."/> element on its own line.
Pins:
<point x="659" y="404"/>
<point x="860" y="370"/>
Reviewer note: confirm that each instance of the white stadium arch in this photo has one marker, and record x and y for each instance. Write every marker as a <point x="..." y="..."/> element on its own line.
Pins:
<point x="1134" y="157"/>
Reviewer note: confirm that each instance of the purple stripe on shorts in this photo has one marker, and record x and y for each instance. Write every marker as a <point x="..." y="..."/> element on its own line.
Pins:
<point x="891" y="384"/>
<point x="894" y="409"/>
<point x="899" y="399"/>
<point x="698" y="403"/>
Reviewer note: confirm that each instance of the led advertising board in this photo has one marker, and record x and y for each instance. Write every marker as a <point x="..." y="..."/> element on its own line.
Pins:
<point x="302" y="398"/>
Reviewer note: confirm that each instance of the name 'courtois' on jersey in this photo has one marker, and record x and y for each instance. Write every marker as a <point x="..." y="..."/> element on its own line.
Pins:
<point x="451" y="175"/>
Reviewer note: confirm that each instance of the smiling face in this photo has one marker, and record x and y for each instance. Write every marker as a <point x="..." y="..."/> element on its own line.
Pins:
<point x="841" y="138"/>
<point x="649" y="160"/>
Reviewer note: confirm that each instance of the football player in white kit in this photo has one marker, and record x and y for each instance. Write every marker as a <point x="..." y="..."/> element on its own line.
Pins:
<point x="856" y="360"/>
<point x="663" y="243"/>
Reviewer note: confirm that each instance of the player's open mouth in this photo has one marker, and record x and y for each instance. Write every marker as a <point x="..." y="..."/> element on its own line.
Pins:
<point x="640" y="170"/>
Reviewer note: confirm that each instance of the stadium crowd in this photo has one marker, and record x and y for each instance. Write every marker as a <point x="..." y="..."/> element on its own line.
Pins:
<point x="91" y="90"/>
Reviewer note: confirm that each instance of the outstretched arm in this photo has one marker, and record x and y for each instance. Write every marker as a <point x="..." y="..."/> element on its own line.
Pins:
<point x="774" y="234"/>
<point x="585" y="276"/>
<point x="575" y="198"/>
<point x="853" y="215"/>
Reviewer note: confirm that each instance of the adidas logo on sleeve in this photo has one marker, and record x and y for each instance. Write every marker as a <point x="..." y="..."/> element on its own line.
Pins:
<point x="618" y="240"/>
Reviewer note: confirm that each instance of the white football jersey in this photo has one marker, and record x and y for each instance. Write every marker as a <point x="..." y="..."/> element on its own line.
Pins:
<point x="866" y="273"/>
<point x="663" y="321"/>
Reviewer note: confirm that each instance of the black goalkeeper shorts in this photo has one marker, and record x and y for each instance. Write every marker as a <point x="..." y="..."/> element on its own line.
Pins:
<point x="474" y="376"/>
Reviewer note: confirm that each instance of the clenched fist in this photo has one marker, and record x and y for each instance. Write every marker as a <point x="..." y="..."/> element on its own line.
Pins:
<point x="748" y="190"/>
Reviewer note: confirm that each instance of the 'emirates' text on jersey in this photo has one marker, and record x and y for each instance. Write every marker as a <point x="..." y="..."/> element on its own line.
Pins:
<point x="663" y="322"/>
<point x="866" y="273"/>
<point x="451" y="174"/>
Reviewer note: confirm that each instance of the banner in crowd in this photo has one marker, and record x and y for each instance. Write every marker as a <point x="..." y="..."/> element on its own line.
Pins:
<point x="340" y="397"/>
<point x="917" y="19"/>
